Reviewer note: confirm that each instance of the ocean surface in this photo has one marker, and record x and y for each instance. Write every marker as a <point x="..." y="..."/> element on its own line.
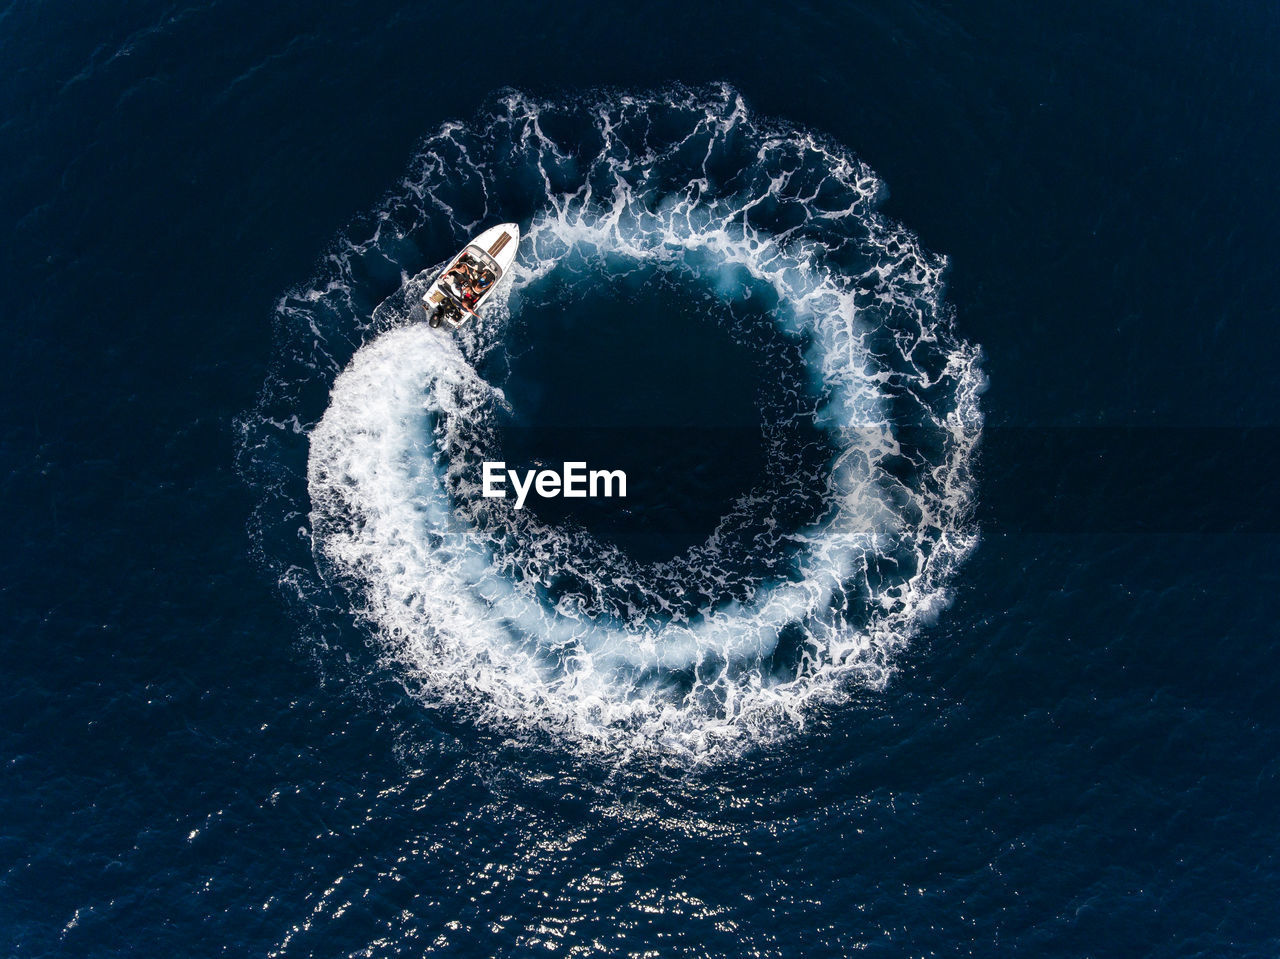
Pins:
<point x="937" y="341"/>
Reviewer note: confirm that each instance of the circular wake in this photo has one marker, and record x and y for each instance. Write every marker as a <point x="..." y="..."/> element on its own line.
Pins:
<point x="836" y="555"/>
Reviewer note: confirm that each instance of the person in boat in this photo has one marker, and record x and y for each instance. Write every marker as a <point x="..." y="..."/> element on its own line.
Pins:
<point x="481" y="280"/>
<point x="464" y="285"/>
<point x="468" y="283"/>
<point x="456" y="279"/>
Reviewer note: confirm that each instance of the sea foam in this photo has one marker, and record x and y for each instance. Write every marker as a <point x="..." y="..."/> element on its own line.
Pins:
<point x="524" y="624"/>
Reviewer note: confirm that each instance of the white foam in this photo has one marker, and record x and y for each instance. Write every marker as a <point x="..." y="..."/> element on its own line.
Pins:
<point x="454" y="586"/>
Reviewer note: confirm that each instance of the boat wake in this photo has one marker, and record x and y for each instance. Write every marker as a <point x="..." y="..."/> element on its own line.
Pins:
<point x="367" y="443"/>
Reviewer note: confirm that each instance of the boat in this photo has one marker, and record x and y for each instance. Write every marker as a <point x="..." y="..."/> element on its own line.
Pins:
<point x="469" y="280"/>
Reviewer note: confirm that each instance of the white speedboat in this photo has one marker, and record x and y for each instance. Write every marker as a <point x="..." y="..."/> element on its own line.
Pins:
<point x="470" y="278"/>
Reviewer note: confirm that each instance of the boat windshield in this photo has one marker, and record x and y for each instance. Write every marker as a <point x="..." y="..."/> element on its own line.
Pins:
<point x="484" y="259"/>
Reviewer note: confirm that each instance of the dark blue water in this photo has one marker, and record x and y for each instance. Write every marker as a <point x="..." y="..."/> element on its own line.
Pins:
<point x="582" y="389"/>
<point x="1077" y="757"/>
